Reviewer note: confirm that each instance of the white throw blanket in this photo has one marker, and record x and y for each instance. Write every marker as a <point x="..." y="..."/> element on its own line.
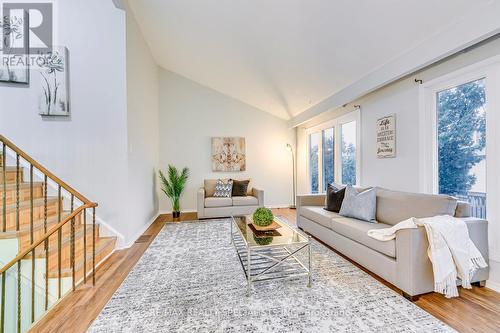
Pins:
<point x="452" y="253"/>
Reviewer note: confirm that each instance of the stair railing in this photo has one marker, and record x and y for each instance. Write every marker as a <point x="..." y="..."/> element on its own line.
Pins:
<point x="7" y="223"/>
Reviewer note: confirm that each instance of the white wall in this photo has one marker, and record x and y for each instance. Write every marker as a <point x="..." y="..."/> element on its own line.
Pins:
<point x="143" y="130"/>
<point x="401" y="98"/>
<point x="88" y="150"/>
<point x="108" y="149"/>
<point x="190" y="114"/>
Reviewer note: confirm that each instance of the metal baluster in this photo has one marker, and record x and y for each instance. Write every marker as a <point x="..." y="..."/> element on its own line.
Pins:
<point x="84" y="245"/>
<point x="59" y="291"/>
<point x="46" y="245"/>
<point x="19" y="296"/>
<point x="32" y="239"/>
<point x="18" y="181"/>
<point x="72" y="244"/>
<point x="93" y="246"/>
<point x="59" y="241"/>
<point x="4" y="168"/>
<point x="59" y="198"/>
<point x="33" y="286"/>
<point x="31" y="204"/>
<point x="2" y="320"/>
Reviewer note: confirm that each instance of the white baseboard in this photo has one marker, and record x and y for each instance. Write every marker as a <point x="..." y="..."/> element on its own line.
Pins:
<point x="139" y="233"/>
<point x="163" y="212"/>
<point x="493" y="285"/>
<point x="278" y="206"/>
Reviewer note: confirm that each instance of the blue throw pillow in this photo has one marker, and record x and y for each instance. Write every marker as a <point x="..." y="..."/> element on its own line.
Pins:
<point x="360" y="205"/>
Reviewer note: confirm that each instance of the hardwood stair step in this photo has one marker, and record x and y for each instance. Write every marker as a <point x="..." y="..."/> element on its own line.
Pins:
<point x="25" y="214"/>
<point x="24" y="192"/>
<point x="66" y="244"/>
<point x="104" y="246"/>
<point x="24" y="240"/>
<point x="10" y="174"/>
<point x="38" y="228"/>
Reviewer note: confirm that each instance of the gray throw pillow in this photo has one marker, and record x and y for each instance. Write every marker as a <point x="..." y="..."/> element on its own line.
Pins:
<point x="361" y="206"/>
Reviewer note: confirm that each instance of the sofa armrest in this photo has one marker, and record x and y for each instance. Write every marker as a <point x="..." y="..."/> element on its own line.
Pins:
<point x="414" y="272"/>
<point x="415" y="275"/>
<point x="200" y="202"/>
<point x="478" y="233"/>
<point x="311" y="200"/>
<point x="259" y="194"/>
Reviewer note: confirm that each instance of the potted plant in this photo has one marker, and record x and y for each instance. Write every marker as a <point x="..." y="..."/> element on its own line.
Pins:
<point x="173" y="186"/>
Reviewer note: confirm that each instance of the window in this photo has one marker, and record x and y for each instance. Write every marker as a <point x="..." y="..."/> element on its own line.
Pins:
<point x="334" y="141"/>
<point x="314" y="140"/>
<point x="461" y="143"/>
<point x="328" y="157"/>
<point x="349" y="153"/>
<point x="459" y="147"/>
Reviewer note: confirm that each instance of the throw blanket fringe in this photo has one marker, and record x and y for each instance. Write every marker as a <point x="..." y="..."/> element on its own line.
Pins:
<point x="448" y="286"/>
<point x="452" y="253"/>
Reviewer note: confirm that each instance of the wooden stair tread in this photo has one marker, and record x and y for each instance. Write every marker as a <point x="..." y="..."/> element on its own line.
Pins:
<point x="26" y="203"/>
<point x="22" y="185"/>
<point x="66" y="242"/>
<point x="10" y="168"/>
<point x="40" y="223"/>
<point x="104" y="246"/>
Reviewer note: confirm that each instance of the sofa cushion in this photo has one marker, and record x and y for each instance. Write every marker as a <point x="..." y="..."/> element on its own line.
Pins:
<point x="319" y="215"/>
<point x="356" y="230"/>
<point x="240" y="188"/>
<point x="395" y="206"/>
<point x="245" y="201"/>
<point x="209" y="185"/>
<point x="223" y="188"/>
<point x="359" y="205"/>
<point x="218" y="202"/>
<point x="334" y="197"/>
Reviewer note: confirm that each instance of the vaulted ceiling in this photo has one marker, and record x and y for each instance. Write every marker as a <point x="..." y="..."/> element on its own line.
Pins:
<point x="284" y="56"/>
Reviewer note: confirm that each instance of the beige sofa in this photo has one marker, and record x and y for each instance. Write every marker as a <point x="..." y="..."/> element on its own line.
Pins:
<point x="212" y="207"/>
<point x="403" y="262"/>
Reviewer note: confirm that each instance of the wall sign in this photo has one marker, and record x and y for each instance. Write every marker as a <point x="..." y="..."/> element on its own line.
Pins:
<point x="386" y="136"/>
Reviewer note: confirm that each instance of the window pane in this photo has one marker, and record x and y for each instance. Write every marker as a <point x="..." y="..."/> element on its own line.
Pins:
<point x="348" y="131"/>
<point x="328" y="156"/>
<point x="462" y="144"/>
<point x="314" y="140"/>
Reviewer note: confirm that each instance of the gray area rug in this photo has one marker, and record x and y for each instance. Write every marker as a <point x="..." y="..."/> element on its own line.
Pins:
<point x="190" y="280"/>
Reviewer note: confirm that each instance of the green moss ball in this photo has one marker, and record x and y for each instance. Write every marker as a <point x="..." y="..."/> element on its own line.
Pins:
<point x="263" y="217"/>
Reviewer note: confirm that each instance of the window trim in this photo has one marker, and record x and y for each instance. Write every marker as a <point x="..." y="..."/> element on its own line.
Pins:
<point x="336" y="123"/>
<point x="428" y="115"/>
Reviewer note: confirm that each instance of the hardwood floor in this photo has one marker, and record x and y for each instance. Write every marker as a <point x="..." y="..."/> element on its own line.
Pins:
<point x="476" y="310"/>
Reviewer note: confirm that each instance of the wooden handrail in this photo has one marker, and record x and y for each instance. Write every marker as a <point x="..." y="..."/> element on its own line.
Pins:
<point x="41" y="168"/>
<point x="46" y="236"/>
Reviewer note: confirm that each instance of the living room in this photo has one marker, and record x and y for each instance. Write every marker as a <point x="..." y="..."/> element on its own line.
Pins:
<point x="295" y="166"/>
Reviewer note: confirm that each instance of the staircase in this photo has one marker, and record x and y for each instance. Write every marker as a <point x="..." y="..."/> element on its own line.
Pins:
<point x="49" y="240"/>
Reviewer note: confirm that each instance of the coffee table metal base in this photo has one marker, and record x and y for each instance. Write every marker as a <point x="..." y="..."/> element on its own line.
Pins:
<point x="266" y="263"/>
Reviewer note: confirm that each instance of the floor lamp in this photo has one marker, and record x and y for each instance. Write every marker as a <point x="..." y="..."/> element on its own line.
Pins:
<point x="290" y="149"/>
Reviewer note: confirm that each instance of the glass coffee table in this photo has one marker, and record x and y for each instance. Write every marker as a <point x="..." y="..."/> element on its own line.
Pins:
<point x="284" y="253"/>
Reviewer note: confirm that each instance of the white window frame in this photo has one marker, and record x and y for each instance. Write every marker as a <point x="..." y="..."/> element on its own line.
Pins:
<point x="336" y="123"/>
<point x="489" y="70"/>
